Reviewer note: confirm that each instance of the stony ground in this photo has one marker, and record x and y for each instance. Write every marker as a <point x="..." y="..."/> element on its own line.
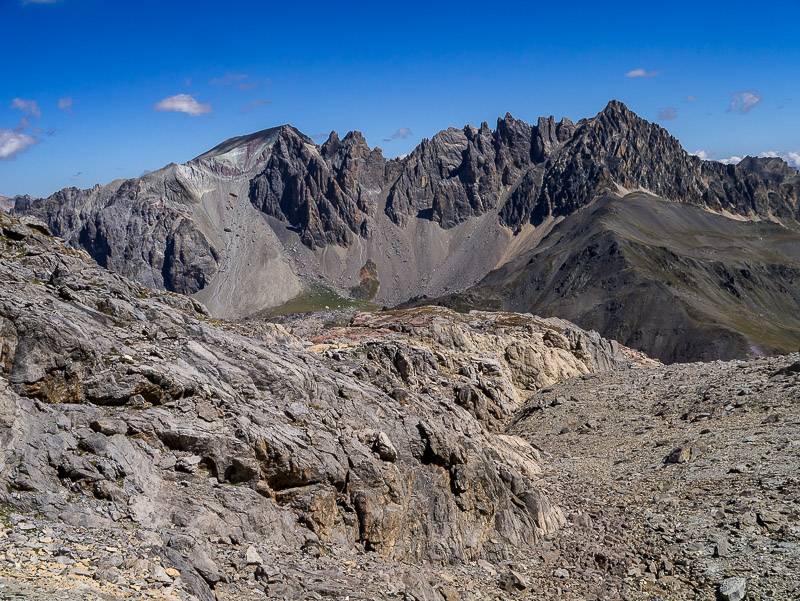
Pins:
<point x="675" y="478"/>
<point x="150" y="452"/>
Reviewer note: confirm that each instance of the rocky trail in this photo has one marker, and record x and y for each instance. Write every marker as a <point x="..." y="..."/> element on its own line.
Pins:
<point x="148" y="450"/>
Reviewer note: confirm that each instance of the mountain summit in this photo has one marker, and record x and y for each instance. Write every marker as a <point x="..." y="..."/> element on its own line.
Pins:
<point x="270" y="217"/>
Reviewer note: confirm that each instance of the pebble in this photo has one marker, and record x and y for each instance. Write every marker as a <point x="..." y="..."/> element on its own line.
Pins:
<point x="252" y="557"/>
<point x="733" y="589"/>
<point x="513" y="581"/>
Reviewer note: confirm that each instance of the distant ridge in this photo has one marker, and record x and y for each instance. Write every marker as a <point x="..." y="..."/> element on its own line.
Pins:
<point x="265" y="218"/>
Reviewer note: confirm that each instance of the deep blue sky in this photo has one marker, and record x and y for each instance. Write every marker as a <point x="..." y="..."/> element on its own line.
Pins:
<point x="408" y="68"/>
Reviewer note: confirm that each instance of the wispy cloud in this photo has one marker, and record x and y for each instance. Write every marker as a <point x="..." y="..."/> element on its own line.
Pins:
<point x="241" y="81"/>
<point x="668" y="114"/>
<point x="634" y="73"/>
<point x="254" y="104"/>
<point x="29" y="108"/>
<point x="401" y="134"/>
<point x="744" y="101"/>
<point x="691" y="98"/>
<point x="700" y="154"/>
<point x="14" y="142"/>
<point x="65" y="104"/>
<point x="229" y="79"/>
<point x="183" y="103"/>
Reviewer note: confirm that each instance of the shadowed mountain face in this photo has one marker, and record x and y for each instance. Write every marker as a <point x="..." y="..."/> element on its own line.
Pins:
<point x="262" y="219"/>
<point x="682" y="282"/>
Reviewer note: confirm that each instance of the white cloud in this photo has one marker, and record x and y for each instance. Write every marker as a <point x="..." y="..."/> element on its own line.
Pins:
<point x="743" y="102"/>
<point x="183" y="103"/>
<point x="65" y="104"/>
<point x="634" y="73"/>
<point x="13" y="142"/>
<point x="401" y="134"/>
<point x="700" y="154"/>
<point x="30" y="108"/>
<point x="792" y="158"/>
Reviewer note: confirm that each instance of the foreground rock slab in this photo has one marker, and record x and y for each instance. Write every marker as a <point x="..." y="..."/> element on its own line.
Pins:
<point x="148" y="447"/>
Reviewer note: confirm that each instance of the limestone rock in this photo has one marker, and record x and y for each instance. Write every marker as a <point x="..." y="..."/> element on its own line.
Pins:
<point x="733" y="589"/>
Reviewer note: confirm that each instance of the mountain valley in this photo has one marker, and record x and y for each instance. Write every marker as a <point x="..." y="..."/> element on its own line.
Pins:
<point x="266" y="219"/>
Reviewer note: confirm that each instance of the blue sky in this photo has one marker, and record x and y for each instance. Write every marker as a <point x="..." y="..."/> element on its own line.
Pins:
<point x="81" y="80"/>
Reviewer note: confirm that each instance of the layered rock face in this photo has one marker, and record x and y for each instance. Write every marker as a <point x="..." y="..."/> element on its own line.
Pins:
<point x="463" y="173"/>
<point x="326" y="193"/>
<point x="124" y="405"/>
<point x="142" y="229"/>
<point x="147" y="450"/>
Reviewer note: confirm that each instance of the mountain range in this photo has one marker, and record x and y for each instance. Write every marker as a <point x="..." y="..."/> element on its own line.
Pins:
<point x="607" y="222"/>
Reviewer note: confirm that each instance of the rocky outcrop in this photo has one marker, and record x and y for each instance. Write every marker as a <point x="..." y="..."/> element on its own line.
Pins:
<point x="326" y="193"/>
<point x="141" y="229"/>
<point x="121" y="403"/>
<point x="463" y="173"/>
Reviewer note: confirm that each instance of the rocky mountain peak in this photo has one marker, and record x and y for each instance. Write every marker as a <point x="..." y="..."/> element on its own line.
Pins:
<point x="772" y="167"/>
<point x="620" y="110"/>
<point x="331" y="144"/>
<point x="241" y="154"/>
<point x="341" y="192"/>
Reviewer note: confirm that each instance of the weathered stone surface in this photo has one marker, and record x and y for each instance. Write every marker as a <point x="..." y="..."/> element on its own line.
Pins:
<point x="674" y="531"/>
<point x="733" y="589"/>
<point x="122" y="403"/>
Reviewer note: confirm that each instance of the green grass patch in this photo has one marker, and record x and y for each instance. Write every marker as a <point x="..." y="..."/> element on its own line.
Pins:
<point x="318" y="298"/>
